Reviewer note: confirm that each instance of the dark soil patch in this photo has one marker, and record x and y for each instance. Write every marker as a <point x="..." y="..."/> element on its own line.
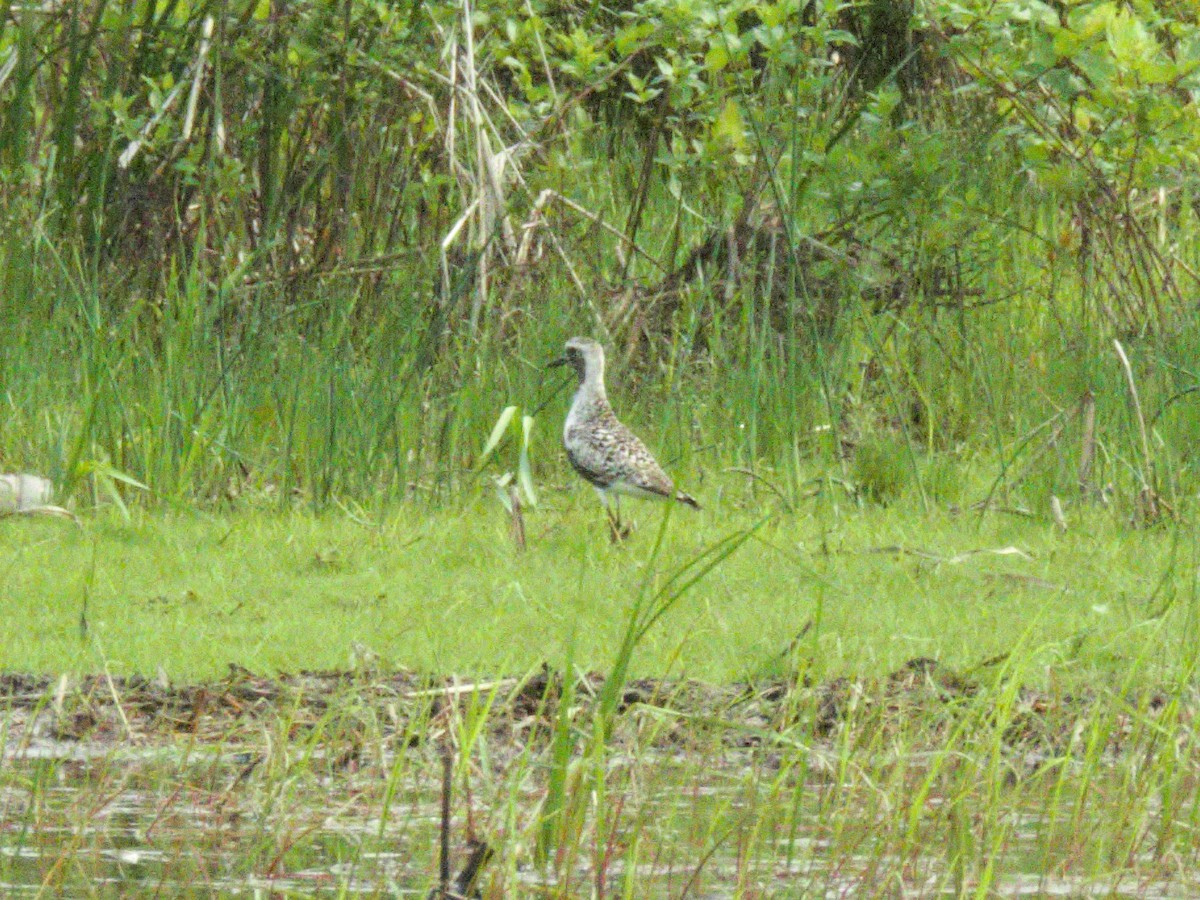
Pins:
<point x="921" y="700"/>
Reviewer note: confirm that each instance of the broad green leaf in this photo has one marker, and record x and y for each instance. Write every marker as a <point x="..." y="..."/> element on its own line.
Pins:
<point x="1097" y="65"/>
<point x="1090" y="22"/>
<point x="1035" y="12"/>
<point x="111" y="489"/>
<point x="118" y="475"/>
<point x="1131" y="44"/>
<point x="729" y="126"/>
<point x="1188" y="51"/>
<point x="501" y="485"/>
<point x="629" y="39"/>
<point x="1067" y="42"/>
<point x="717" y="58"/>
<point x="497" y="434"/>
<point x="773" y="14"/>
<point x="524" y="469"/>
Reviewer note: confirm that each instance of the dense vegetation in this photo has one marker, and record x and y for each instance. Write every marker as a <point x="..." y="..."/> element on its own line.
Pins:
<point x="918" y="258"/>
<point x="273" y="250"/>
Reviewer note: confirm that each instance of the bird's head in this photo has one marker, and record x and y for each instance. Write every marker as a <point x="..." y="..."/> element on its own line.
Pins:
<point x="586" y="357"/>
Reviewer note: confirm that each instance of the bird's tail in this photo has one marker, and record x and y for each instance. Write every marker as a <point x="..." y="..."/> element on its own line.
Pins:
<point x="684" y="498"/>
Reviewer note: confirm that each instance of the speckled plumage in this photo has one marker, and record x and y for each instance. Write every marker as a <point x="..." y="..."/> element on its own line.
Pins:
<point x="610" y="456"/>
<point x="601" y="449"/>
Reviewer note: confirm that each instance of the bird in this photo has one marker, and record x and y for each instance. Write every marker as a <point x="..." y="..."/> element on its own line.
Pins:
<point x="603" y="451"/>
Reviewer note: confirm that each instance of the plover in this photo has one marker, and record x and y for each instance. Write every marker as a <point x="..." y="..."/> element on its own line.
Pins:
<point x="607" y="454"/>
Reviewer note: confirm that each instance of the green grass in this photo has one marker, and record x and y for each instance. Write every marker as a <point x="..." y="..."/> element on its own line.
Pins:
<point x="446" y="591"/>
<point x="1087" y="783"/>
<point x="240" y="357"/>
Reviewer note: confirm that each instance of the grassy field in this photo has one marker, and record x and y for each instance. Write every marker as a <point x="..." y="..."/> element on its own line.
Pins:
<point x="932" y="703"/>
<point x="447" y="591"/>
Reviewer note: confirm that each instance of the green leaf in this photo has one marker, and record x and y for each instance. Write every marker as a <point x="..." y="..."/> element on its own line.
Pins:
<point x="630" y="39"/>
<point x="111" y="489"/>
<point x="729" y="127"/>
<point x="1092" y="22"/>
<point x="497" y="434"/>
<point x="773" y="14"/>
<point x="717" y="58"/>
<point x="524" y="469"/>
<point x="1067" y="42"/>
<point x="1131" y="44"/>
<point x="501" y="484"/>
<point x="118" y="475"/>
<point x="106" y="477"/>
<point x="1035" y="12"/>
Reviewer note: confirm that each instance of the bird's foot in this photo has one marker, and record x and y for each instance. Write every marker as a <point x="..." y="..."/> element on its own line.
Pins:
<point x="617" y="531"/>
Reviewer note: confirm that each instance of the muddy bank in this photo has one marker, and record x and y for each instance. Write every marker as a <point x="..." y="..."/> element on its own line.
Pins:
<point x="922" y="700"/>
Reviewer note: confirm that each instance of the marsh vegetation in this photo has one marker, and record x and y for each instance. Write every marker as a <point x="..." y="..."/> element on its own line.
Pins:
<point x="905" y="295"/>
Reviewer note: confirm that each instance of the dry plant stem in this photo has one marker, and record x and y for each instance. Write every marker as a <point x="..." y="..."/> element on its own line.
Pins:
<point x="1047" y="445"/>
<point x="112" y="688"/>
<point x="1144" y="474"/>
<point x="464" y="883"/>
<point x="459" y="689"/>
<point x="1087" y="445"/>
<point x="451" y="140"/>
<point x="516" y="516"/>
<point x="643" y="187"/>
<point x="489" y="198"/>
<point x="444" y="836"/>
<point x="198" y="80"/>
<point x="1056" y="512"/>
<point x="548" y="194"/>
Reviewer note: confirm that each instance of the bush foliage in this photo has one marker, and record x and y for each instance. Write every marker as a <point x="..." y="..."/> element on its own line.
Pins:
<point x="277" y="207"/>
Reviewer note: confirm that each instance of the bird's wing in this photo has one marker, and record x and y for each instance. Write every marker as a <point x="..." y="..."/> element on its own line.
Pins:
<point x="638" y="467"/>
<point x="590" y="466"/>
<point x="606" y="452"/>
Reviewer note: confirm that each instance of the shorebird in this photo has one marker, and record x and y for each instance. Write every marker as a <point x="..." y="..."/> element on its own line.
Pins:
<point x="607" y="454"/>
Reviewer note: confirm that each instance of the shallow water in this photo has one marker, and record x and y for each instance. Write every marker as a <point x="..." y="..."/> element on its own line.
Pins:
<point x="80" y="819"/>
<point x="330" y="784"/>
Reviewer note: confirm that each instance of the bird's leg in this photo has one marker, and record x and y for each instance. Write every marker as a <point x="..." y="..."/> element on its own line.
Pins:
<point x="612" y="509"/>
<point x="614" y="519"/>
<point x="614" y="528"/>
<point x="619" y="531"/>
<point x="608" y="513"/>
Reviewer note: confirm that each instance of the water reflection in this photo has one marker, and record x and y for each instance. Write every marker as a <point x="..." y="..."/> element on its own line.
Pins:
<point x="86" y="820"/>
